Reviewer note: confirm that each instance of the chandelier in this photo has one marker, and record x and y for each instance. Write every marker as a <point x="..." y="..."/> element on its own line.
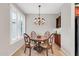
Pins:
<point x="39" y="20"/>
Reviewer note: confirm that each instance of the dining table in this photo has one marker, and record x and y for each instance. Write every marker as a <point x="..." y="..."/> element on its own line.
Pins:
<point x="39" y="40"/>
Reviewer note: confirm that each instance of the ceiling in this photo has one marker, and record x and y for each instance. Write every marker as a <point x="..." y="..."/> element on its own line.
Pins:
<point x="46" y="8"/>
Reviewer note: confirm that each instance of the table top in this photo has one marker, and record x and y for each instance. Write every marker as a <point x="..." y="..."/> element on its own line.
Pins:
<point x="42" y="38"/>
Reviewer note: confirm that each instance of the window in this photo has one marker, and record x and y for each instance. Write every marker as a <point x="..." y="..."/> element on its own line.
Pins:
<point x="17" y="24"/>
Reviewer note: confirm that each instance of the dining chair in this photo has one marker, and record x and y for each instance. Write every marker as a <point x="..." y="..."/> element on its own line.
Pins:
<point x="47" y="34"/>
<point x="33" y="34"/>
<point x="48" y="44"/>
<point x="27" y="43"/>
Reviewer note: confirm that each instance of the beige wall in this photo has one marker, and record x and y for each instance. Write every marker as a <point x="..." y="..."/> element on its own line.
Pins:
<point x="4" y="28"/>
<point x="67" y="29"/>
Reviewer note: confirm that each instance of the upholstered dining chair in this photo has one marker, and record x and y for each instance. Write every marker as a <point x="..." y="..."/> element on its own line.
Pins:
<point x="27" y="43"/>
<point x="33" y="34"/>
<point x="49" y="44"/>
<point x="47" y="34"/>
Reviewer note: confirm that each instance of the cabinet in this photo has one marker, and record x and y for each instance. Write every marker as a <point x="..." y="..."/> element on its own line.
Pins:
<point x="58" y="39"/>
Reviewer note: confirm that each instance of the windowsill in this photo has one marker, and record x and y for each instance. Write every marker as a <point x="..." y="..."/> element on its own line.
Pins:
<point x="13" y="41"/>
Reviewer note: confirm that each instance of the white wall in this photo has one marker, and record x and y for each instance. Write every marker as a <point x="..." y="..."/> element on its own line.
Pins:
<point x="67" y="29"/>
<point x="48" y="26"/>
<point x="5" y="47"/>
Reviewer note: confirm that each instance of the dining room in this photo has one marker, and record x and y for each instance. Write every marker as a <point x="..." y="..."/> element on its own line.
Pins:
<point x="37" y="29"/>
<point x="42" y="27"/>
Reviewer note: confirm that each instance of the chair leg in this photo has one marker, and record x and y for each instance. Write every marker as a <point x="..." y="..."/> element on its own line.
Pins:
<point x="51" y="50"/>
<point x="47" y="51"/>
<point x="25" y="49"/>
<point x="29" y="51"/>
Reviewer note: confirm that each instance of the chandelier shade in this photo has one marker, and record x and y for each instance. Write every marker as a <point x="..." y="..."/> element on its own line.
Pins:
<point x="39" y="20"/>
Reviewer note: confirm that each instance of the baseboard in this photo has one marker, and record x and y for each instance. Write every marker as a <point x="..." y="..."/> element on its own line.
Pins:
<point x="16" y="50"/>
<point x="65" y="52"/>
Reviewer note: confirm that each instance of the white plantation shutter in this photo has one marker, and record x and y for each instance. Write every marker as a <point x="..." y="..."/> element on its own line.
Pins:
<point x="17" y="23"/>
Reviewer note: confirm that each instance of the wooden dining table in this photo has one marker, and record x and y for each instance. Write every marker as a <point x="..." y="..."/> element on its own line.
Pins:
<point x="38" y="41"/>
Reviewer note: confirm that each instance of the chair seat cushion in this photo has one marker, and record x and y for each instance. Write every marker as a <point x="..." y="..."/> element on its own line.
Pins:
<point x="46" y="46"/>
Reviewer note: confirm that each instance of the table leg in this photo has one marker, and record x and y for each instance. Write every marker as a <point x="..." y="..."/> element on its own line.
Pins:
<point x="38" y="48"/>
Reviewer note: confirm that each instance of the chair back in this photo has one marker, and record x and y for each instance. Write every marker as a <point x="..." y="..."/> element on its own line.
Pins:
<point x="47" y="34"/>
<point x="26" y="38"/>
<point x="51" y="38"/>
<point x="33" y="35"/>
